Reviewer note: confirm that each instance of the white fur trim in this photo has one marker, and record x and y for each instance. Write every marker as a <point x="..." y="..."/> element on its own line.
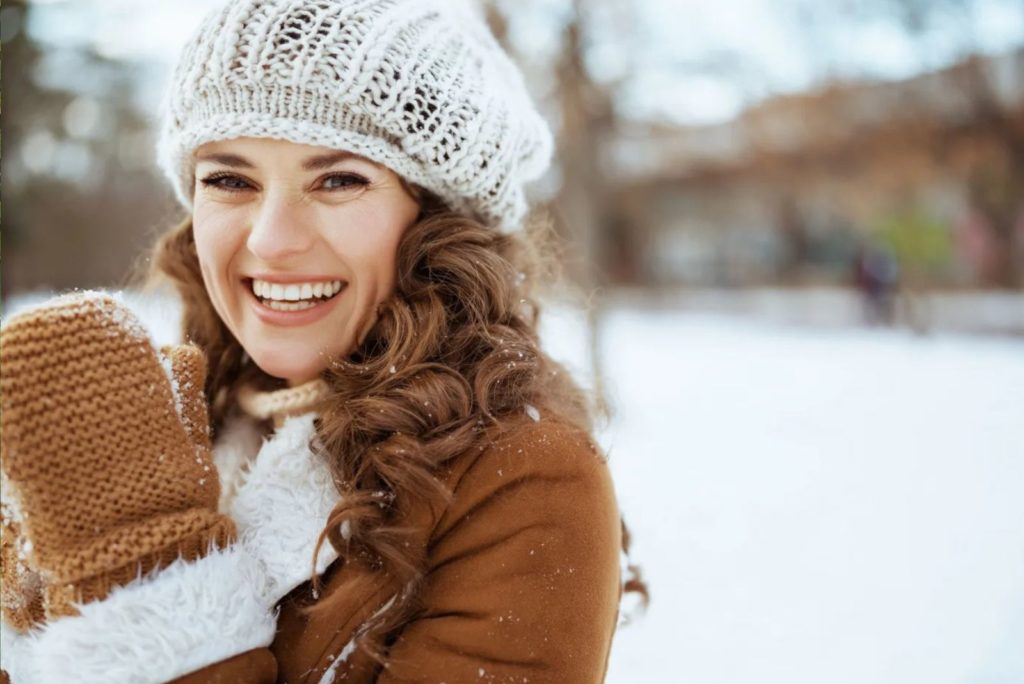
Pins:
<point x="173" y="622"/>
<point x="237" y="445"/>
<point x="282" y="506"/>
<point x="15" y="648"/>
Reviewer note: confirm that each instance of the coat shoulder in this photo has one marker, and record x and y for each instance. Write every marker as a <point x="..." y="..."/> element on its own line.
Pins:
<point x="548" y="472"/>
<point x="550" y="446"/>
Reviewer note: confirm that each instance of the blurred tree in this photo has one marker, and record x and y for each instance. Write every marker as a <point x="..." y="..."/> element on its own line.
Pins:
<point x="583" y="204"/>
<point x="587" y="124"/>
<point x="16" y="51"/>
<point x="584" y="208"/>
<point x="586" y="103"/>
<point x="79" y="196"/>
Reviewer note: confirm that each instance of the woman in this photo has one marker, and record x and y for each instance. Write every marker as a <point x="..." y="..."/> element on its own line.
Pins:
<point x="401" y="486"/>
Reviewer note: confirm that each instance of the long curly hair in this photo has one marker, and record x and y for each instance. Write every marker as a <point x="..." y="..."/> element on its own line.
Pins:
<point x="453" y="356"/>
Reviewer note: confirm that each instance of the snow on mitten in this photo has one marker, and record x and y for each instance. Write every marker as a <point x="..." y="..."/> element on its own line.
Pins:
<point x="105" y="449"/>
<point x="21" y="587"/>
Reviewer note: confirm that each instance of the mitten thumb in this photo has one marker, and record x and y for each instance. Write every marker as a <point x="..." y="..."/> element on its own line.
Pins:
<point x="188" y="376"/>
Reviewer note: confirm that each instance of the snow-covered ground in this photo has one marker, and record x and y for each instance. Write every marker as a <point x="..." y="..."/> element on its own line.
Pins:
<point x="815" y="505"/>
<point x="809" y="505"/>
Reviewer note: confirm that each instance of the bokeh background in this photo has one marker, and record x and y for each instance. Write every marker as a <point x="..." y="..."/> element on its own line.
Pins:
<point x="793" y="268"/>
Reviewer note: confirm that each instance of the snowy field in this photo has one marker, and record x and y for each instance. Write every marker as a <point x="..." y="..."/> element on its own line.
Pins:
<point x="811" y="504"/>
<point x="815" y="505"/>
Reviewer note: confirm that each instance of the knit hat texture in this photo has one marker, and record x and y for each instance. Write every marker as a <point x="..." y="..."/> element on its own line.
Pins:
<point x="107" y="471"/>
<point x="420" y="86"/>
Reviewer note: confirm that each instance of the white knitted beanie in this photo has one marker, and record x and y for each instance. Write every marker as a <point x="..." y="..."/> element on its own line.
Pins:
<point x="419" y="86"/>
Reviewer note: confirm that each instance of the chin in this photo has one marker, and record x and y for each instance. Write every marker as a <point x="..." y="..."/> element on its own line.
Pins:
<point x="291" y="367"/>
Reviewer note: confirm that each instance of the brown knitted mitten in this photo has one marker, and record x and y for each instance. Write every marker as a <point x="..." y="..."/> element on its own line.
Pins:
<point x="107" y="463"/>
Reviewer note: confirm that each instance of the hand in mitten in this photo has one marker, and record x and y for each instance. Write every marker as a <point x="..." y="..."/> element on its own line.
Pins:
<point x="105" y="452"/>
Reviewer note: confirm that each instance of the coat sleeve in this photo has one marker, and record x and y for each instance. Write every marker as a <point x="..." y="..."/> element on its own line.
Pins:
<point x="524" y="581"/>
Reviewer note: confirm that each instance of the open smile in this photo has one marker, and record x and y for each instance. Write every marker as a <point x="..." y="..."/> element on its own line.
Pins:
<point x="293" y="303"/>
<point x="294" y="296"/>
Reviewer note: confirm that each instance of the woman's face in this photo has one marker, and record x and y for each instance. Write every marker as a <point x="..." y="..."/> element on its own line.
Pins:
<point x="297" y="246"/>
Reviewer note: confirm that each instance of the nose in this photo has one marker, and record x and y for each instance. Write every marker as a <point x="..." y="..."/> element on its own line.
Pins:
<point x="280" y="230"/>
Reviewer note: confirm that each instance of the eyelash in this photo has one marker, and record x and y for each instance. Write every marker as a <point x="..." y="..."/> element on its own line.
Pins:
<point x="352" y="180"/>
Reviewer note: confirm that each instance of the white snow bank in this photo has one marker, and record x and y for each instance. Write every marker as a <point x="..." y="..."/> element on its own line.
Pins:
<point x="837" y="506"/>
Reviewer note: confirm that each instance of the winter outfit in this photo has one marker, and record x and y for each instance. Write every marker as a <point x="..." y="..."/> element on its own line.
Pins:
<point x="136" y="551"/>
<point x="522" y="579"/>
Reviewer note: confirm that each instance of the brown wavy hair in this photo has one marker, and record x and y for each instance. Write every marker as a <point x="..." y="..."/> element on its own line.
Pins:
<point x="453" y="357"/>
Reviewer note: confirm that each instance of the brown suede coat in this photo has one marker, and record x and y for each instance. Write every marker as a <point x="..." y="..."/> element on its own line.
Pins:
<point x="522" y="584"/>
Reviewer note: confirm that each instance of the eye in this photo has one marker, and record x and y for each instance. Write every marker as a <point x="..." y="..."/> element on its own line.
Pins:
<point x="343" y="181"/>
<point x="226" y="181"/>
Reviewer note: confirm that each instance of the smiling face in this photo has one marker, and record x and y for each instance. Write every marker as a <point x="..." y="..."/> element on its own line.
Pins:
<point x="297" y="246"/>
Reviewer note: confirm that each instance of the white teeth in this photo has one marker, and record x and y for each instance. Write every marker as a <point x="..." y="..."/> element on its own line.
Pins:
<point x="289" y="306"/>
<point x="295" y="292"/>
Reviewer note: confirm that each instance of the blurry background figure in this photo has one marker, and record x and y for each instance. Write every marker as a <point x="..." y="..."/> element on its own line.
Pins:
<point x="813" y="499"/>
<point x="877" y="277"/>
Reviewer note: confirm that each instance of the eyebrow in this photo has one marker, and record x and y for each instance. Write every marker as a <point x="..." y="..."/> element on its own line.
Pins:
<point x="315" y="163"/>
<point x="325" y="161"/>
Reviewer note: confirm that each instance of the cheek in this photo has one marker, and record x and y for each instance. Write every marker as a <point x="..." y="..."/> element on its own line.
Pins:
<point x="401" y="215"/>
<point x="208" y="253"/>
<point x="204" y="229"/>
<point x="214" y="247"/>
<point x="371" y="266"/>
<point x="384" y="266"/>
<point x="372" y="253"/>
<point x="218" y="231"/>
